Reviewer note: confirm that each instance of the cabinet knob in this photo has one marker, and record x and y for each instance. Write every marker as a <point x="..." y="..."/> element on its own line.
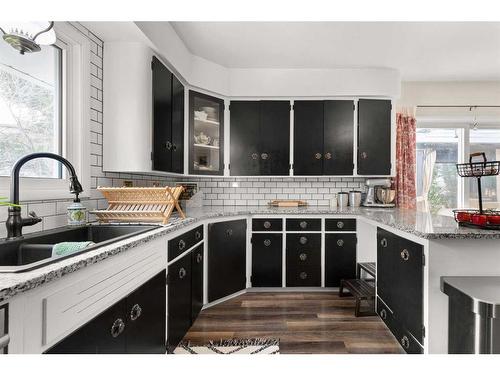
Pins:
<point x="174" y="147"/>
<point x="117" y="327"/>
<point x="182" y="244"/>
<point x="383" y="314"/>
<point x="303" y="240"/>
<point x="340" y="242"/>
<point x="328" y="155"/>
<point x="383" y="242"/>
<point x="229" y="232"/>
<point x="135" y="312"/>
<point x="254" y="156"/>
<point x="303" y="224"/>
<point x="182" y="273"/>
<point x="199" y="258"/>
<point x="405" y="255"/>
<point x="197" y="235"/>
<point x="317" y="155"/>
<point x="303" y="257"/>
<point x="267" y="242"/>
<point x="264" y="156"/>
<point x="340" y="224"/>
<point x="405" y="342"/>
<point x="364" y="155"/>
<point x="267" y="224"/>
<point x="168" y="145"/>
<point x="303" y="275"/>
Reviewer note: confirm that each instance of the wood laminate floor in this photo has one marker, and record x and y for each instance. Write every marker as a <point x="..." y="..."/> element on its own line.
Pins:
<point x="312" y="322"/>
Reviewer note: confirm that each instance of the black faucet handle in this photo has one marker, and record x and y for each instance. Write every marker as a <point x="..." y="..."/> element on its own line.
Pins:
<point x="33" y="214"/>
<point x="32" y="219"/>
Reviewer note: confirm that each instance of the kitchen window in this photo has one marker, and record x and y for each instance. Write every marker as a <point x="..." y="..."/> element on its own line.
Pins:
<point x="44" y="107"/>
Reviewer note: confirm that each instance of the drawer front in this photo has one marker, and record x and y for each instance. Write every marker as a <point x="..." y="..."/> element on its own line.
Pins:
<point x="301" y="241"/>
<point x="340" y="225"/>
<point x="267" y="225"/>
<point x="303" y="257"/>
<point x="303" y="225"/>
<point x="305" y="276"/>
<point x="180" y="244"/>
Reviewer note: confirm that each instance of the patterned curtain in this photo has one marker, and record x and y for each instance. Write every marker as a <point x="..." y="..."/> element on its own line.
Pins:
<point x="406" y="139"/>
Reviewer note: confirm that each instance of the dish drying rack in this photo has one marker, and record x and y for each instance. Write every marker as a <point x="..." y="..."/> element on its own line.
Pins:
<point x="140" y="204"/>
<point x="478" y="170"/>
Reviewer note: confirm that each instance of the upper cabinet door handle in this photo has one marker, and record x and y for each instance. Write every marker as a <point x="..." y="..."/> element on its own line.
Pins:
<point x="174" y="147"/>
<point x="254" y="156"/>
<point x="264" y="156"/>
<point x="317" y="155"/>
<point x="168" y="145"/>
<point x="328" y="155"/>
<point x="364" y="155"/>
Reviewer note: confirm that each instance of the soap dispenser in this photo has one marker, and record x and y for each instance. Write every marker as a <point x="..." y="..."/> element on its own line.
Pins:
<point x="77" y="213"/>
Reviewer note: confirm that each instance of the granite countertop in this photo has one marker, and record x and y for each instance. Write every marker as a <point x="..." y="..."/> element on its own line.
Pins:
<point x="424" y="225"/>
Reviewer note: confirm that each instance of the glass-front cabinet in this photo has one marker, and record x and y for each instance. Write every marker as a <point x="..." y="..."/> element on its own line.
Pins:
<point x="206" y="134"/>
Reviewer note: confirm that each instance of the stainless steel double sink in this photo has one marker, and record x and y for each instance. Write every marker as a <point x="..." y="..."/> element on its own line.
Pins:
<point x="35" y="250"/>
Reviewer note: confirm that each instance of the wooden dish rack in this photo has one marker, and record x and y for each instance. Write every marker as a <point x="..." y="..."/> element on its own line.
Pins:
<point x="140" y="204"/>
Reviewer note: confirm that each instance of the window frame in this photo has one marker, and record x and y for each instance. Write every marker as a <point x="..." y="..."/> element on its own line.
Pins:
<point x="75" y="116"/>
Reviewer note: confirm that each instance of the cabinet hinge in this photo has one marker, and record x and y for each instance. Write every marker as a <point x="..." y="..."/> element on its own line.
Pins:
<point x="251" y="239"/>
<point x="423" y="259"/>
<point x="167" y="279"/>
<point x="423" y="331"/>
<point x="353" y="106"/>
<point x="152" y="158"/>
<point x="291" y="107"/>
<point x="229" y="166"/>
<point x="152" y="64"/>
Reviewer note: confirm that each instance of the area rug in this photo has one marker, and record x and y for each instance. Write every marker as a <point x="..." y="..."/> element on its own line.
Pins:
<point x="233" y="346"/>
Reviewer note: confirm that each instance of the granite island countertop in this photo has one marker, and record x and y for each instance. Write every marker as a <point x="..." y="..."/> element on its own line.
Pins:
<point x="421" y="224"/>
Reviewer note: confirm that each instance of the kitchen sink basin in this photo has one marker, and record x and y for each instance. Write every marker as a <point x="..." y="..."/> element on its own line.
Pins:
<point x="35" y="250"/>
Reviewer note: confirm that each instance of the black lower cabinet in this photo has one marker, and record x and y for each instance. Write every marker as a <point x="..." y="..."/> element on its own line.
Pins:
<point x="179" y="300"/>
<point x="267" y="258"/>
<point x="400" y="275"/>
<point x="340" y="258"/>
<point x="196" y="282"/>
<point x="135" y="324"/>
<point x="303" y="259"/>
<point x="226" y="258"/>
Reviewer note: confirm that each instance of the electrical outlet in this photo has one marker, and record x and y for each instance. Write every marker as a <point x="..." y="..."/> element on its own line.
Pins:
<point x="128" y="183"/>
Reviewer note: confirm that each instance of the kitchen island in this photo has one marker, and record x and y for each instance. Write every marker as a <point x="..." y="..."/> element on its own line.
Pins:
<point x="448" y="250"/>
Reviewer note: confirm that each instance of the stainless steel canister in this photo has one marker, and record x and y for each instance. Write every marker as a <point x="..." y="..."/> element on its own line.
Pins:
<point x="354" y="198"/>
<point x="343" y="199"/>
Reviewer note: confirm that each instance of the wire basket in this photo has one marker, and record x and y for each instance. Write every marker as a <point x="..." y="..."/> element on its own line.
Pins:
<point x="478" y="169"/>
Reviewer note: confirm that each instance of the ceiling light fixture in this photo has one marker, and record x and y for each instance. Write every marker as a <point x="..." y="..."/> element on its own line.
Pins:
<point x="28" y="36"/>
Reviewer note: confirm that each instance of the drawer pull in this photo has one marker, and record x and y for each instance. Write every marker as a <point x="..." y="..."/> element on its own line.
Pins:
<point x="255" y="156"/>
<point x="303" y="240"/>
<point x="303" y="275"/>
<point x="135" y="312"/>
<point x="182" y="273"/>
<point x="340" y="224"/>
<point x="383" y="242"/>
<point x="267" y="242"/>
<point x="303" y="224"/>
<point x="364" y="155"/>
<point x="264" y="155"/>
<point x="182" y="244"/>
<point x="117" y="328"/>
<point x="340" y="243"/>
<point x="328" y="155"/>
<point x="197" y="235"/>
<point x="267" y="224"/>
<point x="229" y="232"/>
<point x="405" y="255"/>
<point x="405" y="342"/>
<point x="199" y="258"/>
<point x="317" y="155"/>
<point x="383" y="314"/>
<point x="303" y="256"/>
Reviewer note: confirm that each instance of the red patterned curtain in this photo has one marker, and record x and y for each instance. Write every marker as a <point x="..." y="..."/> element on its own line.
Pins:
<point x="406" y="139"/>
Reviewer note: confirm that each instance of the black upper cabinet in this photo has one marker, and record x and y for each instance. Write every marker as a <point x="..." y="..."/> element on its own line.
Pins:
<point x="338" y="137"/>
<point x="374" y="137"/>
<point x="260" y="133"/>
<point x="168" y="120"/>
<point x="206" y="134"/>
<point x="323" y="137"/>
<point x="226" y="258"/>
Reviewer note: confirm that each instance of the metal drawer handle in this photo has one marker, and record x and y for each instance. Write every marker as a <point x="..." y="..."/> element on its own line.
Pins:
<point x="317" y="155"/>
<point x="254" y="156"/>
<point x="303" y="256"/>
<point x="383" y="242"/>
<point x="340" y="224"/>
<point x="182" y="273"/>
<point x="267" y="224"/>
<point x="340" y="242"/>
<point x="229" y="232"/>
<point x="264" y="156"/>
<point x="303" y="275"/>
<point x="405" y="342"/>
<point x="328" y="155"/>
<point x="199" y="258"/>
<point x="168" y="145"/>
<point x="303" y="224"/>
<point x="197" y="235"/>
<point x="117" y="328"/>
<point x="303" y="240"/>
<point x="405" y="255"/>
<point x="267" y="242"/>
<point x="135" y="312"/>
<point x="182" y="244"/>
<point x="383" y="314"/>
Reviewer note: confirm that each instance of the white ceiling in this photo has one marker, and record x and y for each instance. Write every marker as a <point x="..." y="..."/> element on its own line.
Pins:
<point x="421" y="51"/>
